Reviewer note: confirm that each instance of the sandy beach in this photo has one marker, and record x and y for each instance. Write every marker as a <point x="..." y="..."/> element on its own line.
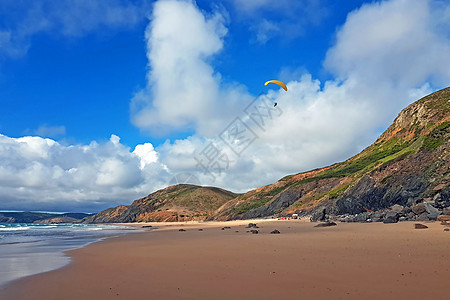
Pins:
<point x="347" y="261"/>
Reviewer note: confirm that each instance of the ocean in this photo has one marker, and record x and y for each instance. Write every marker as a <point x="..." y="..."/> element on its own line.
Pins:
<point x="28" y="249"/>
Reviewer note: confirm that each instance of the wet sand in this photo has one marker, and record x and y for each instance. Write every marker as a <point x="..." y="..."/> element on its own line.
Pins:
<point x="347" y="261"/>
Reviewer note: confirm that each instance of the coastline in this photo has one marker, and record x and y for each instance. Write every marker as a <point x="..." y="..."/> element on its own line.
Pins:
<point x="29" y="249"/>
<point x="347" y="261"/>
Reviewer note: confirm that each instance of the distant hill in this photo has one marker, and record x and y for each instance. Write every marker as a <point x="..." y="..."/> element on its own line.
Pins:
<point x="35" y="217"/>
<point x="176" y="203"/>
<point x="407" y="166"/>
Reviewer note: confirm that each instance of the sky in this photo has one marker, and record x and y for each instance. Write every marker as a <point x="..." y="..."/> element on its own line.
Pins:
<point x="106" y="101"/>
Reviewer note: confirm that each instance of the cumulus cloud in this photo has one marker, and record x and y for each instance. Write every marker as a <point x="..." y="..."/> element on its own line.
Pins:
<point x="400" y="41"/>
<point x="41" y="173"/>
<point x="183" y="92"/>
<point x="21" y="20"/>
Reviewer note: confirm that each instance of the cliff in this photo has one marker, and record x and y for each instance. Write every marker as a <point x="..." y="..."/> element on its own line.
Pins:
<point x="404" y="174"/>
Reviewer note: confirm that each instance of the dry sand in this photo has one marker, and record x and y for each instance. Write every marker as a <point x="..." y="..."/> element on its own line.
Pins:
<point x="348" y="261"/>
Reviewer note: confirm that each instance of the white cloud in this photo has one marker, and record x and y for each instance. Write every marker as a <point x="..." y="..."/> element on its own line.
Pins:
<point x="146" y="154"/>
<point x="400" y="41"/>
<point x="21" y="20"/>
<point x="183" y="91"/>
<point x="386" y="55"/>
<point x="39" y="173"/>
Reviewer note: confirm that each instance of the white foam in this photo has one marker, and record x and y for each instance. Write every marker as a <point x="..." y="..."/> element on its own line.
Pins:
<point x="14" y="228"/>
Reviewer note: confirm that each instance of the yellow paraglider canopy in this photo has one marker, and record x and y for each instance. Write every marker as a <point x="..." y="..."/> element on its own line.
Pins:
<point x="277" y="82"/>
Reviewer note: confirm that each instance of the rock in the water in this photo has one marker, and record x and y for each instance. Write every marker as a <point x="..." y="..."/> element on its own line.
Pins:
<point x="418" y="209"/>
<point x="275" y="232"/>
<point x="391" y="217"/>
<point x="420" y="226"/>
<point x="181" y="229"/>
<point x="326" y="224"/>
<point x="200" y="229"/>
<point x="147" y="226"/>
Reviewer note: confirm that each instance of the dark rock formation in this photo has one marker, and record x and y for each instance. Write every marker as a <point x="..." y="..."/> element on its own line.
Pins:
<point x="326" y="224"/>
<point x="391" y="217"/>
<point x="420" y="226"/>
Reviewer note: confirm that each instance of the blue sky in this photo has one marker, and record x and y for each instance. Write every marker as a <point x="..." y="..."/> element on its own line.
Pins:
<point x="104" y="102"/>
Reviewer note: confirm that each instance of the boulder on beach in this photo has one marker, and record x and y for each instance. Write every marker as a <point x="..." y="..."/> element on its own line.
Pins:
<point x="252" y="225"/>
<point x="397" y="208"/>
<point x="326" y="224"/>
<point x="391" y="217"/>
<point x="420" y="226"/>
<point x="443" y="218"/>
<point x="418" y="208"/>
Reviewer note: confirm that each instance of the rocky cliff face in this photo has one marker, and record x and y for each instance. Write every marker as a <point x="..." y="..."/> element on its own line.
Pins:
<point x="408" y="164"/>
<point x="404" y="174"/>
<point x="176" y="203"/>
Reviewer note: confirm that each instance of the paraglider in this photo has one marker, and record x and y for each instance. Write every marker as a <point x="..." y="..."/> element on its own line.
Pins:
<point x="280" y="84"/>
<point x="277" y="82"/>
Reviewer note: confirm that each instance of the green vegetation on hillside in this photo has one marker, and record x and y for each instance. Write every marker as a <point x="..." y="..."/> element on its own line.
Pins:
<point x="247" y="206"/>
<point x="436" y="137"/>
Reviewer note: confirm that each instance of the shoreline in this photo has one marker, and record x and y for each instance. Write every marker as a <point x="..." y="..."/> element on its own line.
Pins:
<point x="40" y="249"/>
<point x="348" y="261"/>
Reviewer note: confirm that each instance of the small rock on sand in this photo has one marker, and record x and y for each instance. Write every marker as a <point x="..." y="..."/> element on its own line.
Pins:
<point x="443" y="218"/>
<point x="181" y="229"/>
<point x="254" y="231"/>
<point x="326" y="224"/>
<point x="446" y="229"/>
<point x="275" y="232"/>
<point x="200" y="229"/>
<point x="251" y="225"/>
<point x="420" y="226"/>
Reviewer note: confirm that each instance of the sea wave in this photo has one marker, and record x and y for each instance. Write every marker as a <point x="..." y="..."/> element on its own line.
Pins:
<point x="14" y="228"/>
